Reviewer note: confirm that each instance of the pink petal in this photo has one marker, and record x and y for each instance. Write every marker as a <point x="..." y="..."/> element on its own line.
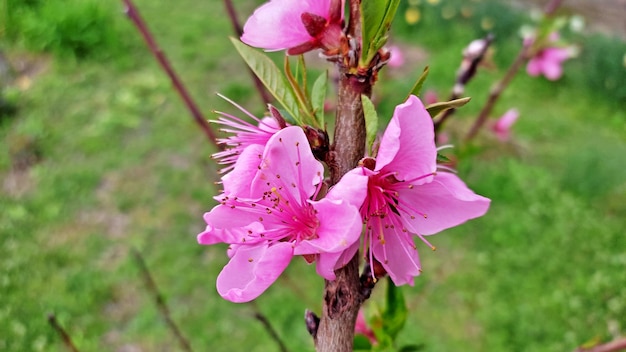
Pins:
<point x="352" y="188"/>
<point x="289" y="163"/>
<point x="502" y="127"/>
<point x="397" y="58"/>
<point x="239" y="180"/>
<point x="534" y="66"/>
<point x="228" y="225"/>
<point x="446" y="201"/>
<point x="277" y="24"/>
<point x="398" y="256"/>
<point x="251" y="270"/>
<point x="339" y="227"/>
<point x="552" y="70"/>
<point x="408" y="145"/>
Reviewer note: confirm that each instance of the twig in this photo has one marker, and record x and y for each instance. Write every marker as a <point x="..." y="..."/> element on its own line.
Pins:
<point x="133" y="14"/>
<point x="613" y="346"/>
<point x="160" y="301"/>
<point x="495" y="92"/>
<point x="67" y="340"/>
<point x="551" y="7"/>
<point x="232" y="14"/>
<point x="467" y="72"/>
<point x="269" y="328"/>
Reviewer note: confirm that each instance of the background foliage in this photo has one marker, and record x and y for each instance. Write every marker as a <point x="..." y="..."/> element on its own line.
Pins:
<point x="100" y="156"/>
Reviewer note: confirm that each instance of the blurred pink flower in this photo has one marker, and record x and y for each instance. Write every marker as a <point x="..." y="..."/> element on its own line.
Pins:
<point x="397" y="57"/>
<point x="298" y="26"/>
<point x="548" y="60"/>
<point x="430" y="97"/>
<point x="502" y="127"/>
<point x="406" y="195"/>
<point x="271" y="216"/>
<point x="361" y="328"/>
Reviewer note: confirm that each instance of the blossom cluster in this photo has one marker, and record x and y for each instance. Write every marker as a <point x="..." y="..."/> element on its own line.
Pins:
<point x="276" y="203"/>
<point x="272" y="207"/>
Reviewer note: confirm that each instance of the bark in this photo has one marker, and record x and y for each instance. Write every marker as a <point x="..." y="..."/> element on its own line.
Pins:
<point x="343" y="297"/>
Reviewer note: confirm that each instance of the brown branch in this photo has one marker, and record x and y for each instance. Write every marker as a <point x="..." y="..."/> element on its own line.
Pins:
<point x="496" y="91"/>
<point x="613" y="346"/>
<point x="551" y="7"/>
<point x="135" y="17"/>
<point x="269" y="328"/>
<point x="342" y="296"/>
<point x="232" y="14"/>
<point x="160" y="301"/>
<point x="67" y="340"/>
<point x="463" y="77"/>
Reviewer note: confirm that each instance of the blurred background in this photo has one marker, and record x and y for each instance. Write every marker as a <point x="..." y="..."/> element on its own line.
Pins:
<point x="98" y="156"/>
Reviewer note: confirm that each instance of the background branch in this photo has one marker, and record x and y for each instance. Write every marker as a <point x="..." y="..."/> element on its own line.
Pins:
<point x="160" y="301"/>
<point x="67" y="340"/>
<point x="135" y="17"/>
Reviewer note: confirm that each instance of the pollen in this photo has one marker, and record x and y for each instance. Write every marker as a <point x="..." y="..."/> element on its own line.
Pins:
<point x="250" y="260"/>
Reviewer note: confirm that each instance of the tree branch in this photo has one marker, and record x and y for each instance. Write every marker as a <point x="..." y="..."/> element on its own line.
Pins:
<point x="232" y="14"/>
<point x="160" y="301"/>
<point x="613" y="346"/>
<point x="135" y="17"/>
<point x="67" y="340"/>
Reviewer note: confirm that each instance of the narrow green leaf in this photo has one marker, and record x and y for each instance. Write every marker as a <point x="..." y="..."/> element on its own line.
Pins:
<point x="436" y="108"/>
<point x="417" y="87"/>
<point x="376" y="19"/>
<point x="396" y="312"/>
<point x="442" y="158"/>
<point x="371" y="120"/>
<point x="304" y="105"/>
<point x="318" y="97"/>
<point x="270" y="75"/>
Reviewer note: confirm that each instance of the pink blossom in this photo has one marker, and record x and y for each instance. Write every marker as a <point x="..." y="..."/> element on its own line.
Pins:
<point x="397" y="57"/>
<point x="299" y="26"/>
<point x="244" y="134"/>
<point x="272" y="216"/>
<point x="502" y="127"/>
<point x="406" y="195"/>
<point x="361" y="328"/>
<point x="549" y="59"/>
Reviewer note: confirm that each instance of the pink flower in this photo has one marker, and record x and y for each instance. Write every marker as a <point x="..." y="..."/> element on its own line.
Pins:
<point x="361" y="328"/>
<point x="244" y="135"/>
<point x="549" y="59"/>
<point x="271" y="217"/>
<point x="397" y="57"/>
<point x="299" y="26"/>
<point x="502" y="128"/>
<point x="406" y="195"/>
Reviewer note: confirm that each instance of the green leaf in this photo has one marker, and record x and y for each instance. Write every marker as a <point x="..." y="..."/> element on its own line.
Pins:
<point x="270" y="75"/>
<point x="442" y="158"/>
<point x="371" y="120"/>
<point x="376" y="18"/>
<point x="396" y="312"/>
<point x="436" y="108"/>
<point x="318" y="97"/>
<point x="411" y="348"/>
<point x="417" y="87"/>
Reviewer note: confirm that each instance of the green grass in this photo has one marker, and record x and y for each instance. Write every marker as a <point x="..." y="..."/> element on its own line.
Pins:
<point x="102" y="157"/>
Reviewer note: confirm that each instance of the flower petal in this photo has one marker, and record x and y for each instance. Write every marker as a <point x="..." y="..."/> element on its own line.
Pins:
<point x="339" y="227"/>
<point x="398" y="256"/>
<point x="408" y="145"/>
<point x="251" y="270"/>
<point x="238" y="181"/>
<point x="277" y="24"/>
<point x="352" y="188"/>
<point x="229" y="225"/>
<point x="534" y="66"/>
<point x="446" y="202"/>
<point x="289" y="163"/>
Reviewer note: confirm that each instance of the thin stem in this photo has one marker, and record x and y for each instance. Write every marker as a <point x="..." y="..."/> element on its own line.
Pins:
<point x="135" y="17"/>
<point x="496" y="91"/>
<point x="463" y="78"/>
<point x="551" y="7"/>
<point x="270" y="329"/>
<point x="232" y="15"/>
<point x="160" y="301"/>
<point x="67" y="340"/>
